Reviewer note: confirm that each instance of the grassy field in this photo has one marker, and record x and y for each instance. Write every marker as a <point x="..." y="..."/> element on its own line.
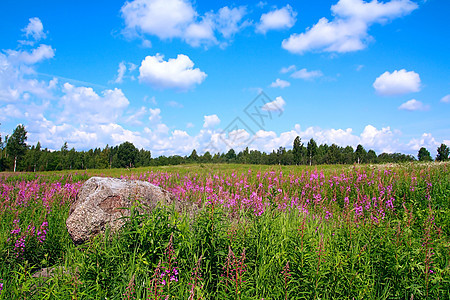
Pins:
<point x="262" y="232"/>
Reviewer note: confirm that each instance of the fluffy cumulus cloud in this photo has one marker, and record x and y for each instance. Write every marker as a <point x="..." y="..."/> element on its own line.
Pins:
<point x="380" y="140"/>
<point x="276" y="105"/>
<point x="16" y="66"/>
<point x="169" y="19"/>
<point x="348" y="30"/>
<point x="397" y="83"/>
<point x="163" y="18"/>
<point x="56" y="112"/>
<point x="201" y="33"/>
<point x="283" y="18"/>
<point x="229" y="20"/>
<point x="83" y="103"/>
<point x="175" y="73"/>
<point x="35" y="29"/>
<point x="36" y="55"/>
<point x="211" y="121"/>
<point x="426" y="140"/>
<point x="412" y="105"/>
<point x="279" y="83"/>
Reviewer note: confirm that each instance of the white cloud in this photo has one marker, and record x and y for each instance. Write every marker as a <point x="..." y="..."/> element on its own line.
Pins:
<point x="15" y="70"/>
<point x="163" y="18"/>
<point x="276" y="105"/>
<point x="135" y="117"/>
<point x="426" y="140"/>
<point x="285" y="70"/>
<point x="373" y="11"/>
<point x="446" y="99"/>
<point x="348" y="31"/>
<point x="36" y="55"/>
<point x="229" y="21"/>
<point x="383" y="140"/>
<point x="155" y="116"/>
<point x="120" y="72"/>
<point x="261" y="4"/>
<point x="35" y="29"/>
<point x="413" y="105"/>
<point x="279" y="83"/>
<point x="325" y="36"/>
<point x="397" y="83"/>
<point x="190" y="125"/>
<point x="84" y="105"/>
<point x="10" y="111"/>
<point x="211" y="121"/>
<point x="283" y="18"/>
<point x="177" y="73"/>
<point x="201" y="33"/>
<point x="175" y="104"/>
<point x="169" y="19"/>
<point x="306" y="75"/>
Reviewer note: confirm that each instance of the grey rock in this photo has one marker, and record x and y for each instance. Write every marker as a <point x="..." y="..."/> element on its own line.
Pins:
<point x="53" y="271"/>
<point x="101" y="201"/>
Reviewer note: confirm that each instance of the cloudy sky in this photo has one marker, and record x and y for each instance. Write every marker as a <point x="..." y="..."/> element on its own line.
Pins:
<point x="174" y="75"/>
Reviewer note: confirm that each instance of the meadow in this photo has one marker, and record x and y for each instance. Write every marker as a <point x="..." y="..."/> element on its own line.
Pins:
<point x="261" y="232"/>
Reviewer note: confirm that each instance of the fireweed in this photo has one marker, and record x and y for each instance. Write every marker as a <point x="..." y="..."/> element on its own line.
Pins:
<point x="363" y="233"/>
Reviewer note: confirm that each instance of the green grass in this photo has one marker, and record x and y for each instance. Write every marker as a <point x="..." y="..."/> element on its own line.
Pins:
<point x="279" y="254"/>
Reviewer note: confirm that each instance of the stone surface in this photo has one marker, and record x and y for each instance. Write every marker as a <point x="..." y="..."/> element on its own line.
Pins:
<point x="52" y="271"/>
<point x="101" y="201"/>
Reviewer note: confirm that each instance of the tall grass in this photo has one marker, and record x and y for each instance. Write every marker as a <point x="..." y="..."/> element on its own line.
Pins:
<point x="353" y="233"/>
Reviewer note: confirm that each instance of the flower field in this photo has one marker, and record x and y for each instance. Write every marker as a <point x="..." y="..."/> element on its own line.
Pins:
<point x="359" y="232"/>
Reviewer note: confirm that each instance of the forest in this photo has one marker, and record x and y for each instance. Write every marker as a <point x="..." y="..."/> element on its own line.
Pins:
<point x="17" y="155"/>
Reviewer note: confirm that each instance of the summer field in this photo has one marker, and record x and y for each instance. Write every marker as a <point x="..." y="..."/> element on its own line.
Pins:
<point x="325" y="232"/>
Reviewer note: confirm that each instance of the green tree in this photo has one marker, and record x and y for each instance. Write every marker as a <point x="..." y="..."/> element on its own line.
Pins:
<point x="424" y="155"/>
<point x="371" y="157"/>
<point x="2" y="149"/>
<point x="207" y="158"/>
<point x="442" y="153"/>
<point x="297" y="150"/>
<point x="34" y="155"/>
<point x="254" y="157"/>
<point x="16" y="146"/>
<point x="231" y="155"/>
<point x="72" y="159"/>
<point x="2" y="144"/>
<point x="360" y="154"/>
<point x="144" y="158"/>
<point x="347" y="155"/>
<point x="126" y="154"/>
<point x="243" y="156"/>
<point x="64" y="157"/>
<point x="311" y="150"/>
<point x="333" y="155"/>
<point x="194" y="156"/>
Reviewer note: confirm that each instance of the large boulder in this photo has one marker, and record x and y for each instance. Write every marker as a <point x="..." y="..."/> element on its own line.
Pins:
<point x="100" y="202"/>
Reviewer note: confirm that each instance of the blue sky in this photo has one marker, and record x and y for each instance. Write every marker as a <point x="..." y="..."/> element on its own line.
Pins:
<point x="174" y="75"/>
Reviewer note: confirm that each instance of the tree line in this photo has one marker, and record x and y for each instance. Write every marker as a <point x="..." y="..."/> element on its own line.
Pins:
<point x="17" y="155"/>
